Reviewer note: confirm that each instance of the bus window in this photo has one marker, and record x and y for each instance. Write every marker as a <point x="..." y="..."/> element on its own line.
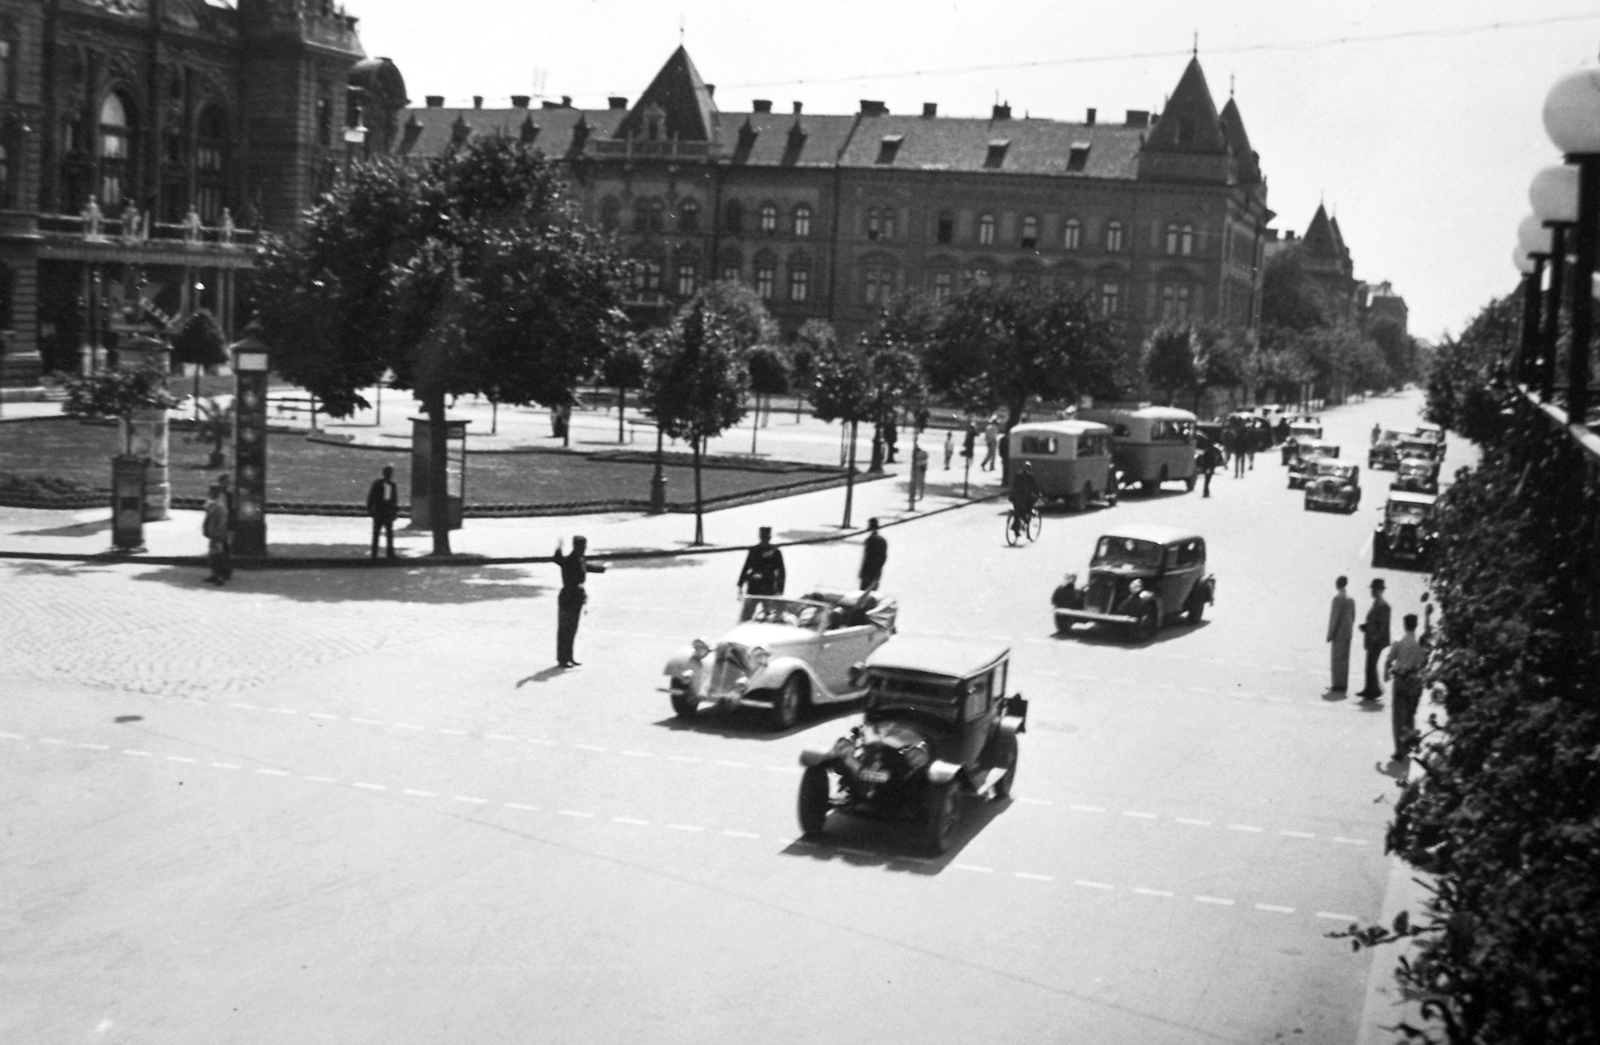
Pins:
<point x="1044" y="445"/>
<point x="1091" y="445"/>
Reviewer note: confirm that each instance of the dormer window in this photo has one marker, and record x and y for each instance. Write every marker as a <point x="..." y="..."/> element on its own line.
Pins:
<point x="1078" y="157"/>
<point x="889" y="147"/>
<point x="997" y="153"/>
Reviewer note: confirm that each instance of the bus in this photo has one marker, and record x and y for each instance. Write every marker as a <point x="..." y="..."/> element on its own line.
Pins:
<point x="1071" y="460"/>
<point x="1150" y="445"/>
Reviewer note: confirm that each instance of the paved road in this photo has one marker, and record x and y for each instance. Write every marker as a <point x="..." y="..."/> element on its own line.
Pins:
<point x="361" y="807"/>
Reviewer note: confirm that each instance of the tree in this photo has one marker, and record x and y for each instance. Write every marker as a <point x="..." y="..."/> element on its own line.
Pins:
<point x="623" y="369"/>
<point x="200" y="344"/>
<point x="1169" y="359"/>
<point x="695" y="383"/>
<point x="867" y="380"/>
<point x="467" y="274"/>
<point x="769" y="376"/>
<point x="815" y="337"/>
<point x="1287" y="299"/>
<point x="120" y="394"/>
<point x="1399" y="351"/>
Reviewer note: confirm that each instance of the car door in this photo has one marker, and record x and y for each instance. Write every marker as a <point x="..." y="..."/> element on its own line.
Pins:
<point x="841" y="648"/>
<point x="980" y="705"/>
<point x="1180" y="570"/>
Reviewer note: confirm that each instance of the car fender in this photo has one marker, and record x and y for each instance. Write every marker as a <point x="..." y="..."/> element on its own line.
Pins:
<point x="1210" y="587"/>
<point x="778" y="670"/>
<point x="942" y="772"/>
<point x="697" y="666"/>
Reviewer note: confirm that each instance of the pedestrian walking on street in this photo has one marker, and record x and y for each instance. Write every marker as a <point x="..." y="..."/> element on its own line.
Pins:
<point x="1240" y="435"/>
<point x="215" y="530"/>
<point x="1404" y="665"/>
<point x="226" y="482"/>
<point x="949" y="448"/>
<point x="874" y="553"/>
<point x="575" y="568"/>
<point x="1341" y="628"/>
<point x="991" y="444"/>
<point x="383" y="505"/>
<point x="1374" y="638"/>
<point x="763" y="572"/>
<point x="1377" y="433"/>
<point x="1210" y="457"/>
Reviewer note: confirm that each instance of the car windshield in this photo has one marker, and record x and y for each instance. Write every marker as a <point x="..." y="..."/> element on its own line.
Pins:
<point x="1318" y="450"/>
<point x="1389" y="437"/>
<point x="1342" y="471"/>
<point x="1407" y="514"/>
<point x="1415" y="446"/>
<point x="1126" y="551"/>
<point x="937" y="695"/>
<point x="766" y="610"/>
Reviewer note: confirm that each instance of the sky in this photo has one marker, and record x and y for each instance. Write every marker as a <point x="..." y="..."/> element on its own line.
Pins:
<point x="1417" y="123"/>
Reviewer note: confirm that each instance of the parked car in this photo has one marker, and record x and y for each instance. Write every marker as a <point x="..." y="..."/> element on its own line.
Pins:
<point x="1435" y="435"/>
<point x="1333" y="486"/>
<point x="1406" y="534"/>
<point x="1307" y="453"/>
<point x="1140" y="577"/>
<point x="939" y="724"/>
<point x="784" y="656"/>
<point x="1417" y="474"/>
<point x="1308" y="426"/>
<point x="1385" y="453"/>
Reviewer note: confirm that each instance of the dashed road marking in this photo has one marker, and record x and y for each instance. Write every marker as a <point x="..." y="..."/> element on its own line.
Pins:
<point x="1221" y="901"/>
<point x="226" y="765"/>
<point x="242" y="707"/>
<point x="322" y="714"/>
<point x="1138" y="815"/>
<point x="418" y="793"/>
<point x="522" y="807"/>
<point x="180" y="758"/>
<point x="1349" y="841"/>
<point x="363" y="785"/>
<point x="1036" y="801"/>
<point x="1273" y="908"/>
<point x="499" y="736"/>
<point x="1142" y="891"/>
<point x="635" y="754"/>
<point x="1333" y="917"/>
<point x="979" y="868"/>
<point x="273" y="772"/>
<point x="1191" y="821"/>
<point x="100" y="747"/>
<point x="454" y="732"/>
<point x="136" y="753"/>
<point x="632" y="821"/>
<point x="573" y="812"/>
<point x="13" y="736"/>
<point x="1032" y="877"/>
<point x="283" y="711"/>
<point x="1087" y="809"/>
<point x="1297" y="834"/>
<point x="684" y="827"/>
<point x="739" y="834"/>
<point x="379" y="722"/>
<point x="1251" y="828"/>
<point x="588" y="747"/>
<point x="1085" y="884"/>
<point x="472" y="800"/>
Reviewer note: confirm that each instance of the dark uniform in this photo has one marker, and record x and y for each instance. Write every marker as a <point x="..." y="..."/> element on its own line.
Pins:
<point x="763" y="571"/>
<point x="1375" y="635"/>
<point x="383" y="505"/>
<point x="1024" y="492"/>
<point x="874" y="553"/>
<point x="569" y="604"/>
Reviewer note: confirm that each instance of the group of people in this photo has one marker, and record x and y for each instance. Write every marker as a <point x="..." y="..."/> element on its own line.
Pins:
<point x="764" y="574"/>
<point x="1403" y="664"/>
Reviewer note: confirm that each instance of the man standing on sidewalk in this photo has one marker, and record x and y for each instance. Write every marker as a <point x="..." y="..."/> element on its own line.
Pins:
<point x="383" y="504"/>
<point x="215" y="530"/>
<point x="1374" y="637"/>
<point x="763" y="572"/>
<point x="226" y="482"/>
<point x="874" y="553"/>
<point x="569" y="604"/>
<point x="1404" y="665"/>
<point x="991" y="444"/>
<point x="949" y="448"/>
<point x="1341" y="626"/>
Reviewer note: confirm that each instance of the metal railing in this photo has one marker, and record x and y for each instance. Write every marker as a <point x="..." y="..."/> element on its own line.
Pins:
<point x="115" y="230"/>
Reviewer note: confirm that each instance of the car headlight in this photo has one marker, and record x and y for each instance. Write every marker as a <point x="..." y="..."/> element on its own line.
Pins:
<point x="758" y="659"/>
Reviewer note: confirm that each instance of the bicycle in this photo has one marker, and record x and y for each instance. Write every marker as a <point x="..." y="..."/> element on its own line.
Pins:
<point x="1030" y="527"/>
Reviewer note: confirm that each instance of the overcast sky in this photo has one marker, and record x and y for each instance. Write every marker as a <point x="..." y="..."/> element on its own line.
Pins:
<point x="1422" y="142"/>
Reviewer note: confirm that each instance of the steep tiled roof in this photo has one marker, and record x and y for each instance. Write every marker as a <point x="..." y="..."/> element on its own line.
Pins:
<point x="435" y="128"/>
<point x="680" y="93"/>
<point x="774" y="145"/>
<point x="1189" y="122"/>
<point x="1029" y="146"/>
<point x="1319" y="238"/>
<point x="1233" y="132"/>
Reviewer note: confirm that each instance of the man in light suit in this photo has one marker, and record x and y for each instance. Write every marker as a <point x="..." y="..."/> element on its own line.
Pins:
<point x="1341" y="625"/>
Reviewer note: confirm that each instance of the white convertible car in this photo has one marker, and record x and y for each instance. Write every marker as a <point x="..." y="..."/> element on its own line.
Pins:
<point x="785" y="655"/>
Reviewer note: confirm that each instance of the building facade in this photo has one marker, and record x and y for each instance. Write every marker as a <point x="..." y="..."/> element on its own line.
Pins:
<point x="144" y="144"/>
<point x="1158" y="217"/>
<point x="1330" y="274"/>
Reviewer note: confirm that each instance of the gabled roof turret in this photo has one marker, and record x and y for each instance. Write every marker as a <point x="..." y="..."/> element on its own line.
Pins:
<point x="1189" y="123"/>
<point x="1247" y="162"/>
<point x="687" y="111"/>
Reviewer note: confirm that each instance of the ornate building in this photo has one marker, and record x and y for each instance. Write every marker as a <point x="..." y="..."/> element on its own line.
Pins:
<point x="143" y="143"/>
<point x="1159" y="216"/>
<point x="1329" y="270"/>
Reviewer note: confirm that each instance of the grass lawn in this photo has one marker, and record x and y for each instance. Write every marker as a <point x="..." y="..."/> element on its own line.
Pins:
<point x="299" y="470"/>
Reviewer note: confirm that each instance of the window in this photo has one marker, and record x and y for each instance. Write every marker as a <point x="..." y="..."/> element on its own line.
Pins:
<point x="986" y="229"/>
<point x="1044" y="445"/>
<point x="1030" y="232"/>
<point x="1110" y="299"/>
<point x="610" y="213"/>
<point x="1072" y="235"/>
<point x="880" y="223"/>
<point x="879" y="284"/>
<point x="1078" y="156"/>
<point x="733" y="218"/>
<point x="647" y="216"/>
<point x="689" y="216"/>
<point x="799" y="284"/>
<point x="769" y="219"/>
<point x="114" y="150"/>
<point x="730" y="273"/>
<point x="766" y="279"/>
<point x="1172" y="240"/>
<point x="943" y="287"/>
<point x="686" y="279"/>
<point x="647" y="277"/>
<point x="947" y="227"/>
<point x="982" y="277"/>
<point x="1114" y="237"/>
<point x="5" y="177"/>
<point x="802" y="221"/>
<point x="324" y="115"/>
<point x="211" y="164"/>
<point x="1175" y="302"/>
<point x="1180" y="240"/>
<point x="6" y="49"/>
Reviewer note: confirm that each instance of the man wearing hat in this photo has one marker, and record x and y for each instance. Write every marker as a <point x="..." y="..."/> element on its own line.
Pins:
<point x="763" y="568"/>
<point x="1374" y="638"/>
<point x="575" y="569"/>
<point x="874" y="553"/>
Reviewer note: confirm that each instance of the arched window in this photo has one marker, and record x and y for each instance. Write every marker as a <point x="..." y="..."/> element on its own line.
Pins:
<point x="874" y="223"/>
<point x="946" y="232"/>
<point x="1172" y="240"/>
<point x="8" y="62"/>
<point x="688" y="278"/>
<point x="211" y="164"/>
<point x="986" y="229"/>
<point x="799" y="279"/>
<point x="689" y="215"/>
<point x="766" y="278"/>
<point x="879" y="283"/>
<point x="1072" y="235"/>
<point x="769" y="219"/>
<point x="115" y="149"/>
<point x="1110" y="298"/>
<point x="1114" y="237"/>
<point x="802" y="221"/>
<point x="610" y="213"/>
<point x="1186" y="241"/>
<point x="733" y="217"/>
<point x="1030" y="232"/>
<point x="1175" y="302"/>
<point x="647" y="216"/>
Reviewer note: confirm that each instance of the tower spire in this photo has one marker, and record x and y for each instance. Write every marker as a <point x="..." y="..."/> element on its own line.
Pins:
<point x="1195" y="51"/>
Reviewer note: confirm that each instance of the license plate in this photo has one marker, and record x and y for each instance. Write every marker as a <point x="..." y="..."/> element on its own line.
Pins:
<point x="875" y="776"/>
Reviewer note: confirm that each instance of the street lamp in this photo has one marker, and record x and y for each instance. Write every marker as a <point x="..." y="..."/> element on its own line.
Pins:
<point x="1554" y="195"/>
<point x="1572" y="119"/>
<point x="354" y="138"/>
<point x="1533" y="250"/>
<point x="251" y="358"/>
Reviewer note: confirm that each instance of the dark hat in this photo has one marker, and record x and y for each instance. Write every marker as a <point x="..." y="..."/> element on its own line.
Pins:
<point x="766" y="531"/>
<point x="1377" y="582"/>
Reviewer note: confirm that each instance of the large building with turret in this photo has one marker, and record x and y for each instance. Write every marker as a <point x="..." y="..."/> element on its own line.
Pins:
<point x="1158" y="216"/>
<point x="143" y="143"/>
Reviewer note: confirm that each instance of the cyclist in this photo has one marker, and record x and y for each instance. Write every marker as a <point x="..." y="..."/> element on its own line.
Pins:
<point x="1024" y="493"/>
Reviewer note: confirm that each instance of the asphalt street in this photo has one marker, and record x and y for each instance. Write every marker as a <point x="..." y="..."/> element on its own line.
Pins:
<point x="363" y="806"/>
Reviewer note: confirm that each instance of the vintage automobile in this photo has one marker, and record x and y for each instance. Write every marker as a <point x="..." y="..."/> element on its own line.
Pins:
<point x="1307" y="453"/>
<point x="939" y="725"/>
<point x="1385" y="453"/>
<point x="1434" y="435"/>
<point x="785" y="655"/>
<point x="1071" y="460"/>
<point x="1333" y="486"/>
<point x="1406" y="532"/>
<point x="1141" y="577"/>
<point x="1417" y="474"/>
<point x="1302" y="428"/>
<point x="1150" y="445"/>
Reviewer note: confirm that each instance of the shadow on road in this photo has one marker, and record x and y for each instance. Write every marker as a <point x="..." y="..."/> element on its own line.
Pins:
<point x="895" y="845"/>
<point x="1110" y="635"/>
<point x="380" y="583"/>
<point x="553" y="671"/>
<point x="754" y="723"/>
<point x="83" y="529"/>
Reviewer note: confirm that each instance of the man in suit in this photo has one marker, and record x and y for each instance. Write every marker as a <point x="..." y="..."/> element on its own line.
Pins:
<point x="575" y="567"/>
<point x="763" y="572"/>
<point x="1341" y="626"/>
<point x="1374" y="639"/>
<point x="383" y="504"/>
<point x="874" y="553"/>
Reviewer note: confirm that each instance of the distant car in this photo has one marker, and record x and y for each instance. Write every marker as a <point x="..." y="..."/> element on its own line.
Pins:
<point x="784" y="656"/>
<point x="1417" y="474"/>
<point x="1333" y="486"/>
<point x="1435" y="435"/>
<point x="1385" y="453"/>
<point x="939" y="723"/>
<point x="1406" y="534"/>
<point x="1307" y="453"/>
<point x="1306" y="425"/>
<point x="1140" y="577"/>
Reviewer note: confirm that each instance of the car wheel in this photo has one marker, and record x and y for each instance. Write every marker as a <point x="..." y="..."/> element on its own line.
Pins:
<point x="1007" y="744"/>
<point x="1164" y="476"/>
<point x="814" y="803"/>
<point x="1149" y="485"/>
<point x="1149" y="622"/>
<point x="941" y="816"/>
<point x="1189" y="484"/>
<point x="1196" y="610"/>
<point x="786" y="702"/>
<point x="684" y="704"/>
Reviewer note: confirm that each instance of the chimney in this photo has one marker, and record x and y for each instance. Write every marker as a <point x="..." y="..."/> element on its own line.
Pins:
<point x="1089" y="119"/>
<point x="930" y="110"/>
<point x="1002" y="112"/>
<point x="1138" y="118"/>
<point x="566" y="101"/>
<point x="762" y="105"/>
<point x="520" y="101"/>
<point x="435" y="101"/>
<point x="797" y="107"/>
<point x="711" y="90"/>
<point x="617" y="101"/>
<point x="871" y="108"/>
<point x="477" y="101"/>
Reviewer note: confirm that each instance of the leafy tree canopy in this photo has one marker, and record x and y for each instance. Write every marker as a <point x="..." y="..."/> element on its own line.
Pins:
<point x="1287" y="299"/>
<point x="769" y="370"/>
<point x="695" y="374"/>
<point x="200" y="341"/>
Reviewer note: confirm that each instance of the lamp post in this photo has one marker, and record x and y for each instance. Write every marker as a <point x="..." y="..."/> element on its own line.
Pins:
<point x="354" y="138"/>
<point x="658" y="481"/>
<point x="1554" y="195"/>
<point x="250" y="356"/>
<point x="1533" y="250"/>
<point x="1572" y="119"/>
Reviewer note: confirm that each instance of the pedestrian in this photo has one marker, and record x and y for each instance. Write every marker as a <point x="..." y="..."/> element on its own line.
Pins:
<point x="763" y="572"/>
<point x="991" y="444"/>
<point x="215" y="530"/>
<point x="1404" y="665"/>
<point x="874" y="553"/>
<point x="1377" y="432"/>
<point x="949" y="448"/>
<point x="1374" y="637"/>
<point x="891" y="441"/>
<point x="1341" y="626"/>
<point x="919" y="473"/>
<point x="969" y="442"/>
<point x="575" y="567"/>
<point x="1240" y="435"/>
<point x="1208" y="464"/>
<point x="1283" y="431"/>
<point x="226" y="482"/>
<point x="383" y="505"/>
